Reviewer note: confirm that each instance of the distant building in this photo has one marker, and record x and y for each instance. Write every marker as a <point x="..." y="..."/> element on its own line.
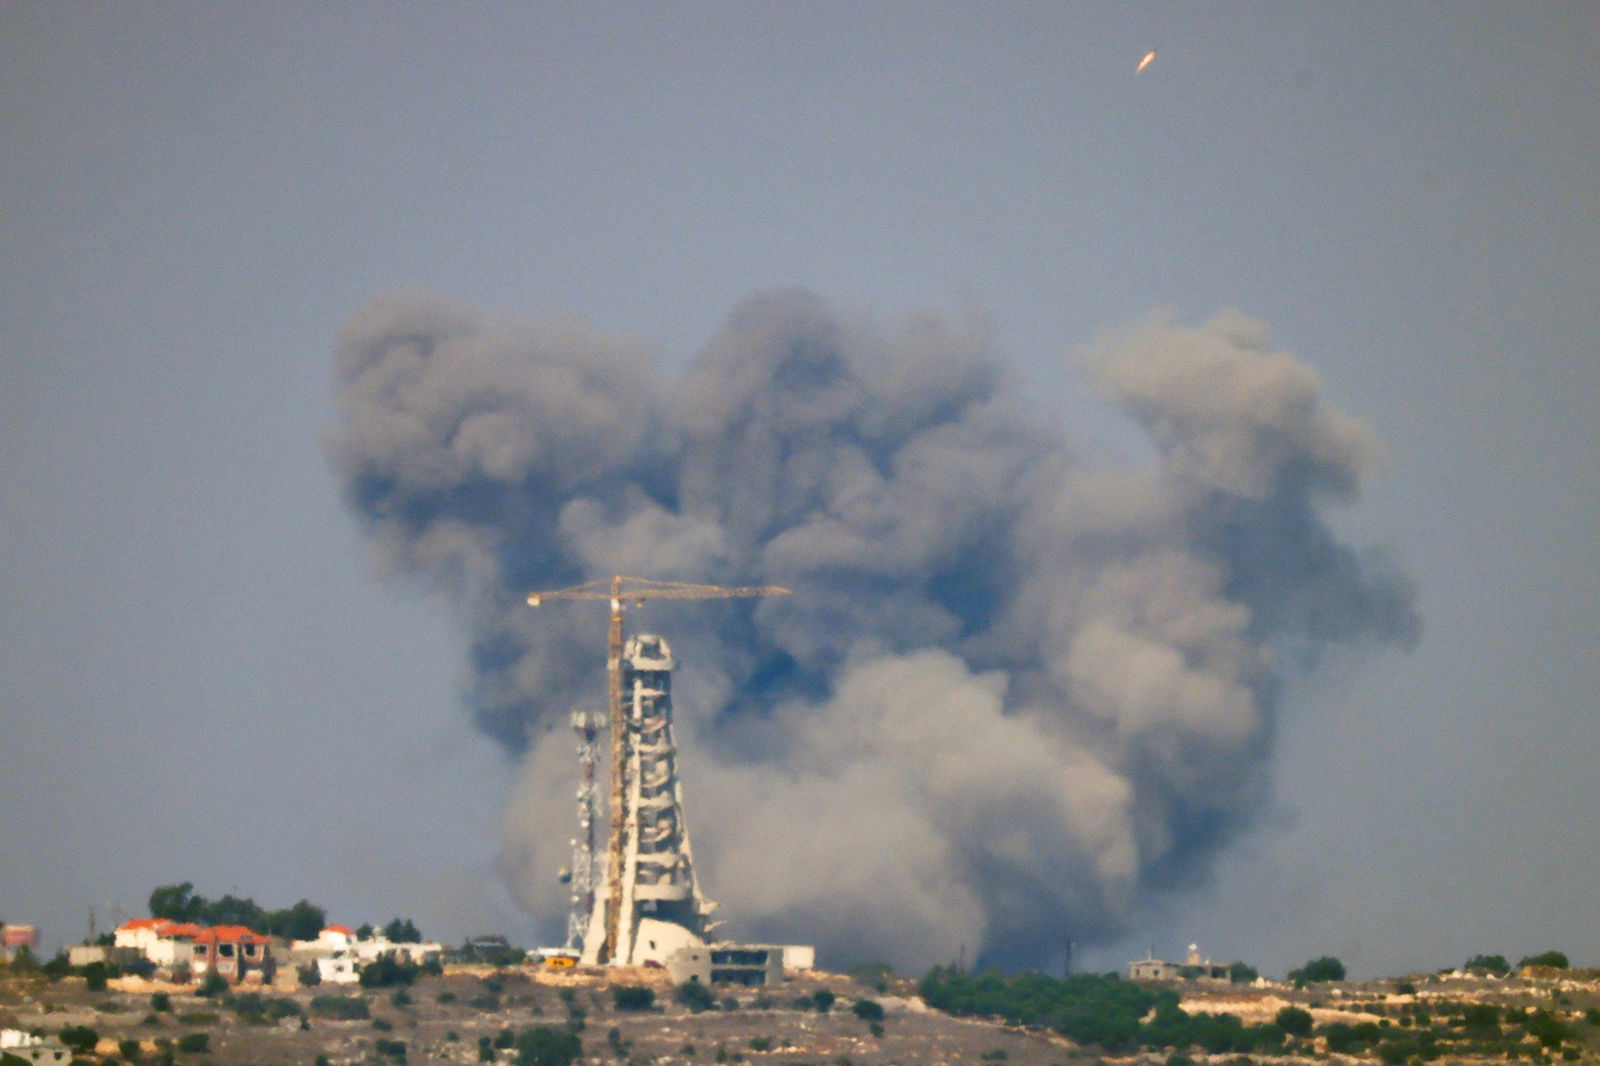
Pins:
<point x="15" y="1043"/>
<point x="235" y="953"/>
<point x="13" y="938"/>
<point x="168" y="944"/>
<point x="339" y="953"/>
<point x="751" y="965"/>
<point x="1193" y="968"/>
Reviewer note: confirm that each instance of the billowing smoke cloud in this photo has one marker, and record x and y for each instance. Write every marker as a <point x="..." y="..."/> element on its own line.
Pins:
<point x="1015" y="687"/>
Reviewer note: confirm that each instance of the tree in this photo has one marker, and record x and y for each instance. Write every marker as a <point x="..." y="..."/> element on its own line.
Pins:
<point x="694" y="995"/>
<point x="402" y="931"/>
<point x="194" y="1042"/>
<point x="1553" y="959"/>
<point x="1294" y="1021"/>
<point x="384" y="971"/>
<point x="176" y="903"/>
<point x="632" y="997"/>
<point x="1491" y="964"/>
<point x="1326" y="968"/>
<point x="544" y="1046"/>
<point x="868" y="1010"/>
<point x="303" y="921"/>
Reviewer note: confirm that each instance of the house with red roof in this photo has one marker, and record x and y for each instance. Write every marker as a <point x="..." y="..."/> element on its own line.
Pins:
<point x="235" y="953"/>
<point x="164" y="942"/>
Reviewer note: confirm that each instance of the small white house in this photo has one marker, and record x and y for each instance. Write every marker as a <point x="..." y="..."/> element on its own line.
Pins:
<point x="33" y="1049"/>
<point x="340" y="954"/>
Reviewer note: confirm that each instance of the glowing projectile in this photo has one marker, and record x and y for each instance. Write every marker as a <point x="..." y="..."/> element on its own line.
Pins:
<point x="1145" y="62"/>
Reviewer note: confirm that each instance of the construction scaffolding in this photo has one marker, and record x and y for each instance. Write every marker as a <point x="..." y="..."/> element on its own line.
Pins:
<point x="647" y="904"/>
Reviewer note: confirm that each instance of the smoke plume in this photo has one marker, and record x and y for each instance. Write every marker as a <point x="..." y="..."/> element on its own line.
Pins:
<point x="1015" y="687"/>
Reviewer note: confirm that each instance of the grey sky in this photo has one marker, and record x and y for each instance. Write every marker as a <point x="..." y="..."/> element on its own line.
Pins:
<point x="201" y="677"/>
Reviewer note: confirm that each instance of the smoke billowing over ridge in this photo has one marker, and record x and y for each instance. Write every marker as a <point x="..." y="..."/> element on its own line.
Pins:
<point x="1014" y="685"/>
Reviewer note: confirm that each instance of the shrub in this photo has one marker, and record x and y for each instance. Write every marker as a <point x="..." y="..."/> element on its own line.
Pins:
<point x="1326" y="968"/>
<point x="761" y="1043"/>
<point x="1553" y="959"/>
<point x="822" y="1000"/>
<point x="868" y="1010"/>
<point x="161" y="1002"/>
<point x="194" y="1042"/>
<point x="347" y="1008"/>
<point x="79" y="1038"/>
<point x="1490" y="964"/>
<point x="694" y="995"/>
<point x="385" y="971"/>
<point x="1294" y="1021"/>
<point x="94" y="976"/>
<point x="632" y="997"/>
<point x="394" y="1049"/>
<point x="213" y="985"/>
<point x="544" y="1046"/>
<point x="875" y="1028"/>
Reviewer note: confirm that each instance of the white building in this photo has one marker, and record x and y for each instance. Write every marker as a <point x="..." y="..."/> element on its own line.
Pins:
<point x="33" y="1049"/>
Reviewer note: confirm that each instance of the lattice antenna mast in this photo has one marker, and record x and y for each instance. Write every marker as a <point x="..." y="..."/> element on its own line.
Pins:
<point x="587" y="727"/>
<point x="622" y="593"/>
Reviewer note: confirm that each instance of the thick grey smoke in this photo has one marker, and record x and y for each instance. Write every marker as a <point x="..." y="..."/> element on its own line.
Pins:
<point x="1015" y="686"/>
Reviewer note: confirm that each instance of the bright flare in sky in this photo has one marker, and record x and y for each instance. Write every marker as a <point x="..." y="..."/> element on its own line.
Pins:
<point x="1145" y="62"/>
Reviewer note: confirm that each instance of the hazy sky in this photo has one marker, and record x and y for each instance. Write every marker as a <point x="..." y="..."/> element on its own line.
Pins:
<point x="202" y="677"/>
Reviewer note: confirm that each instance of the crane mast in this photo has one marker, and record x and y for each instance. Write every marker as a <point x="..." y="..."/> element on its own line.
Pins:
<point x="624" y="592"/>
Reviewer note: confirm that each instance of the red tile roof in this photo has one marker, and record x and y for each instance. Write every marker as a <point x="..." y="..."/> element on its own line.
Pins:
<point x="228" y="933"/>
<point x="143" y="923"/>
<point x="345" y="929"/>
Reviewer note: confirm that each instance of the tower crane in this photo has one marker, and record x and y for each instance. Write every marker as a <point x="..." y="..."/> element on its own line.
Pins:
<point x="622" y="593"/>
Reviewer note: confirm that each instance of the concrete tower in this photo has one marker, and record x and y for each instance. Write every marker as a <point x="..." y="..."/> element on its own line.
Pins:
<point x="657" y="900"/>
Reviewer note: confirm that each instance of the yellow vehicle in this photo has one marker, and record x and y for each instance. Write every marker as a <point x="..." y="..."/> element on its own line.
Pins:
<point x="560" y="962"/>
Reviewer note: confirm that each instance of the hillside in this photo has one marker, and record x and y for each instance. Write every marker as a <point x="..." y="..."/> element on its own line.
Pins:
<point x="1542" y="1016"/>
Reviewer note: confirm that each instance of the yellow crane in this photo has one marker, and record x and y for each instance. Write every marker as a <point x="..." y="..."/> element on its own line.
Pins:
<point x="622" y="593"/>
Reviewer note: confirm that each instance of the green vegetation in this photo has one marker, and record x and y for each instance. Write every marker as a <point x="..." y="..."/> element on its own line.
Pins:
<point x="1495" y="965"/>
<point x="392" y="1049"/>
<point x="694" y="995"/>
<point x="344" y="1008"/>
<point x="632" y="997"/>
<point x="385" y="971"/>
<point x="1326" y="968"/>
<point x="1552" y="959"/>
<point x="544" y="1046"/>
<point x="79" y="1038"/>
<point x="868" y="1010"/>
<point x="403" y="931"/>
<point x="875" y="975"/>
<point x="178" y="903"/>
<point x="1294" y="1021"/>
<point x="1091" y="1010"/>
<point x="197" y="1042"/>
<point x="257" y="1009"/>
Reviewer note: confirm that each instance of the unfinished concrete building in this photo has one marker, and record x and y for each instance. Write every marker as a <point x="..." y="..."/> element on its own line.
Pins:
<point x="649" y="902"/>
